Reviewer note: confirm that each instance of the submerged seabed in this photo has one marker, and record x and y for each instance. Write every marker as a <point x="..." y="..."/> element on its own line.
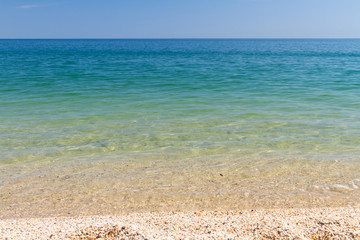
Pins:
<point x="108" y="126"/>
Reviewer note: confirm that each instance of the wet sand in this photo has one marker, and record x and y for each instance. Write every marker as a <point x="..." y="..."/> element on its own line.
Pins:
<point x="116" y="188"/>
<point x="304" y="223"/>
<point x="171" y="200"/>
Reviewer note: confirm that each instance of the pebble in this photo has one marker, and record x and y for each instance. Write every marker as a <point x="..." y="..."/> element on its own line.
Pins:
<point x="306" y="223"/>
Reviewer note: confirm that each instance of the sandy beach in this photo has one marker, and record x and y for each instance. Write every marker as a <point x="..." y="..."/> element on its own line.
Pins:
<point x="305" y="223"/>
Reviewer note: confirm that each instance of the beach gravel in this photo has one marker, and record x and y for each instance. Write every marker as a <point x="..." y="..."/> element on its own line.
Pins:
<point x="306" y="223"/>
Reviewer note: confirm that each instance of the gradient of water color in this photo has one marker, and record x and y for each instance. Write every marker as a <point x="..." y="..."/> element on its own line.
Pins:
<point x="269" y="110"/>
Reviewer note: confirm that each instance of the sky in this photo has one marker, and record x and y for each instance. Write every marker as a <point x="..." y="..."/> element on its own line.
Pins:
<point x="179" y="18"/>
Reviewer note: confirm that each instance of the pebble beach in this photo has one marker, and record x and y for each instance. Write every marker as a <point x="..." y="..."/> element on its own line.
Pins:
<point x="305" y="223"/>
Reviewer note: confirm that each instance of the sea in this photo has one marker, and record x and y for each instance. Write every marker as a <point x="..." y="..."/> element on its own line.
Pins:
<point x="108" y="126"/>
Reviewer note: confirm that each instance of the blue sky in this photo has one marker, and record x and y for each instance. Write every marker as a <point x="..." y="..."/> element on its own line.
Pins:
<point x="179" y="19"/>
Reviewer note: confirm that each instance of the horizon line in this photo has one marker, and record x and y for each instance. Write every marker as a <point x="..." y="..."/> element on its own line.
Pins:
<point x="192" y="38"/>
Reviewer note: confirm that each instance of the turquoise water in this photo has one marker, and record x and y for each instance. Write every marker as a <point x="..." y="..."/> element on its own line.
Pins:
<point x="183" y="101"/>
<point x="181" y="97"/>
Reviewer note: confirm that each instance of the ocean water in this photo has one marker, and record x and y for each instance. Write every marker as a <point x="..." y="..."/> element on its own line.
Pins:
<point x="103" y="126"/>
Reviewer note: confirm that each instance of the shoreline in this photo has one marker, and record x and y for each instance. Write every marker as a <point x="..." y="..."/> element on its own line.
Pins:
<point x="291" y="223"/>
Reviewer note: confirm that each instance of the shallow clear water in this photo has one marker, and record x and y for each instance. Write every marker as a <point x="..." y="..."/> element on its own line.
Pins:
<point x="189" y="110"/>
